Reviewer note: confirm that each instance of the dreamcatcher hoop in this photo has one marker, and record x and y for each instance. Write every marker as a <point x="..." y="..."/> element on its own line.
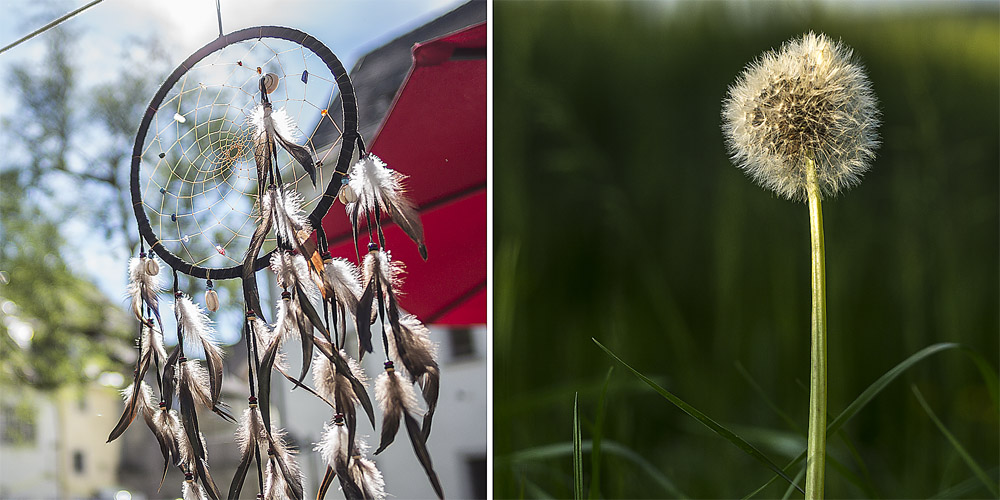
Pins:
<point x="349" y="136"/>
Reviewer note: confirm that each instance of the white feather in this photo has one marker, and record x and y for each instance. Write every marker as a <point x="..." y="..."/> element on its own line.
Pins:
<point x="250" y="430"/>
<point x="419" y="346"/>
<point x="192" y="491"/>
<point x="333" y="445"/>
<point x="291" y="270"/>
<point x="152" y="337"/>
<point x="373" y="182"/>
<point x="290" y="221"/>
<point x="196" y="324"/>
<point x="393" y="394"/>
<point x="145" y="400"/>
<point x="341" y="276"/>
<point x="380" y="262"/>
<point x="368" y="477"/>
<point x="281" y="122"/>
<point x="275" y="483"/>
<point x="141" y="283"/>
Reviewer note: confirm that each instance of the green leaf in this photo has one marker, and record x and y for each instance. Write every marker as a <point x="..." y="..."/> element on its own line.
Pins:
<point x="577" y="450"/>
<point x="597" y="433"/>
<point x="965" y="488"/>
<point x="558" y="450"/>
<point x="705" y="420"/>
<point x="976" y="469"/>
<point x="864" y="398"/>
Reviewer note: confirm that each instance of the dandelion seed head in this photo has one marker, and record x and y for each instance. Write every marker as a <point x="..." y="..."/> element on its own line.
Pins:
<point x="809" y="99"/>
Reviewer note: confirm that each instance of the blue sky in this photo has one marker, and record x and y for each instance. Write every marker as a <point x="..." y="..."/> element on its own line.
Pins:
<point x="349" y="28"/>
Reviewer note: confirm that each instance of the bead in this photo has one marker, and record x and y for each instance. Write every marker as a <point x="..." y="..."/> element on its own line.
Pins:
<point x="286" y="295"/>
<point x="222" y="251"/>
<point x="305" y="76"/>
<point x="152" y="267"/>
<point x="173" y="217"/>
<point x="211" y="300"/>
<point x="180" y="118"/>
<point x="372" y="247"/>
<point x="163" y="190"/>
<point x="270" y="82"/>
<point x="162" y="155"/>
<point x="347" y="194"/>
<point x="323" y="112"/>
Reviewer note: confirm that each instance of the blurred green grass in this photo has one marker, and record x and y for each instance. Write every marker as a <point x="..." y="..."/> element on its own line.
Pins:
<point x="617" y="215"/>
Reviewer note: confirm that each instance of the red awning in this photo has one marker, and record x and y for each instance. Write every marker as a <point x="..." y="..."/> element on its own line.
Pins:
<point x="435" y="133"/>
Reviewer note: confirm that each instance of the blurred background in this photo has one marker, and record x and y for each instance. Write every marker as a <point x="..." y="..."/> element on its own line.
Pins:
<point x="68" y="118"/>
<point x="618" y="216"/>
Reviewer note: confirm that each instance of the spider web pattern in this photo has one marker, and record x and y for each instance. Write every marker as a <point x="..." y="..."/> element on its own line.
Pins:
<point x="198" y="176"/>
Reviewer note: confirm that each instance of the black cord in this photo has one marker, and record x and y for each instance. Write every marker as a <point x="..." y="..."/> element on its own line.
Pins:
<point x="218" y="10"/>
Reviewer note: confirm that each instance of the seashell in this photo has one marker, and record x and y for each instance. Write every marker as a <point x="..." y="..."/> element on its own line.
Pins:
<point x="152" y="267"/>
<point x="211" y="300"/>
<point x="347" y="194"/>
<point x="270" y="82"/>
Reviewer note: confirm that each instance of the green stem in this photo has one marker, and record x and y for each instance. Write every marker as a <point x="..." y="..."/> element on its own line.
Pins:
<point x="816" y="449"/>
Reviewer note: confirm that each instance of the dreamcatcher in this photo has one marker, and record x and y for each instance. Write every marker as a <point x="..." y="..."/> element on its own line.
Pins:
<point x="229" y="177"/>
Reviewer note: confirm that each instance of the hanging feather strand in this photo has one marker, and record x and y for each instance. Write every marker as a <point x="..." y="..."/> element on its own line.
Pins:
<point x="342" y="289"/>
<point x="368" y="477"/>
<point x="334" y="447"/>
<point x="144" y="287"/>
<point x="397" y="400"/>
<point x="193" y="452"/>
<point x="282" y="476"/>
<point x="380" y="277"/>
<point x="412" y="346"/>
<point x="379" y="188"/>
<point x="196" y="326"/>
<point x="277" y="125"/>
<point x="249" y="436"/>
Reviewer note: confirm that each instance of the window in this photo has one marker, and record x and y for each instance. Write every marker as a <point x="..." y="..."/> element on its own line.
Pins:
<point x="17" y="424"/>
<point x="78" y="464"/>
<point x="476" y="467"/>
<point x="462" y="343"/>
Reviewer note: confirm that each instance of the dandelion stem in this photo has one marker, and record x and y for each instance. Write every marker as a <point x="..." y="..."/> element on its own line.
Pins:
<point x="816" y="448"/>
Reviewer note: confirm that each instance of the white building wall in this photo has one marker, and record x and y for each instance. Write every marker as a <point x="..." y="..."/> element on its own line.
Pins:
<point x="29" y="469"/>
<point x="458" y="432"/>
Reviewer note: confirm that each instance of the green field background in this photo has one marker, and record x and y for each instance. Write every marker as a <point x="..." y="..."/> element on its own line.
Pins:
<point x="617" y="215"/>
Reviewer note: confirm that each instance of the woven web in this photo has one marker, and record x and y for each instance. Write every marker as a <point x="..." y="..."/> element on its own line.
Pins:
<point x="198" y="176"/>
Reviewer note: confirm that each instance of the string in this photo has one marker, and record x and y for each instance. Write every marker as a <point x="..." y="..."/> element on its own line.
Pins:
<point x="218" y="10"/>
<point x="49" y="26"/>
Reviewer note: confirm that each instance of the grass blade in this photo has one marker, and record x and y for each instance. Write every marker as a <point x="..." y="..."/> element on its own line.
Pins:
<point x="965" y="488"/>
<point x="705" y="420"/>
<point x="864" y="398"/>
<point x="559" y="450"/>
<point x="976" y="469"/>
<point x="577" y="450"/>
<point x="988" y="374"/>
<point x="596" y="433"/>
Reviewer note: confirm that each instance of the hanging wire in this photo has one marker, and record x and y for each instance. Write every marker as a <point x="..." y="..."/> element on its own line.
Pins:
<point x="218" y="10"/>
<point x="60" y="20"/>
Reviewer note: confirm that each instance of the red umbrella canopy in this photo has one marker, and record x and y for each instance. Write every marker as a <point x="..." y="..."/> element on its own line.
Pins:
<point x="435" y="133"/>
